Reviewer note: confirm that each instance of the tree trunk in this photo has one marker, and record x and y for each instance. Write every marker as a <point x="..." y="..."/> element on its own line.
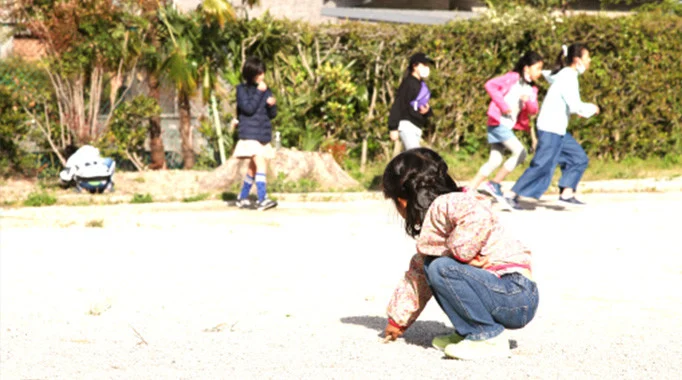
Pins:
<point x="363" y="155"/>
<point x="186" y="130"/>
<point x="155" y="141"/>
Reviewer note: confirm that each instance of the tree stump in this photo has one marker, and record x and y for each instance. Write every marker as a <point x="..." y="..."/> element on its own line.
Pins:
<point x="294" y="165"/>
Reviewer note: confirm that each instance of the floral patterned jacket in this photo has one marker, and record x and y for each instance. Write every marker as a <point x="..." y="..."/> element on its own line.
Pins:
<point x="462" y="226"/>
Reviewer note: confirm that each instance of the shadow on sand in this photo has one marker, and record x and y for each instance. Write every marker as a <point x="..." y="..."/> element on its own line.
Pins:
<point x="420" y="333"/>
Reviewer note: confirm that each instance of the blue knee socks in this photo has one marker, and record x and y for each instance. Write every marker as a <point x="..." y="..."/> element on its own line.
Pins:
<point x="260" y="186"/>
<point x="246" y="187"/>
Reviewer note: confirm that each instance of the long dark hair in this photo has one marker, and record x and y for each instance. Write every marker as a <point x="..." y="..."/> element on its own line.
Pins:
<point x="418" y="176"/>
<point x="528" y="59"/>
<point x="574" y="51"/>
<point x="253" y="67"/>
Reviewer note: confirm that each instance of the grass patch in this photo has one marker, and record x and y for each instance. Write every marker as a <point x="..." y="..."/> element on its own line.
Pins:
<point x="370" y="179"/>
<point x="303" y="185"/>
<point x="631" y="168"/>
<point x="141" y="198"/>
<point x="95" y="223"/>
<point x="139" y="180"/>
<point x="38" y="199"/>
<point x="464" y="167"/>
<point x="9" y="203"/>
<point x="197" y="198"/>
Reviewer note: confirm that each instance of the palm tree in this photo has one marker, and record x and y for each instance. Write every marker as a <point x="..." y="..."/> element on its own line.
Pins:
<point x="180" y="67"/>
<point x="151" y="62"/>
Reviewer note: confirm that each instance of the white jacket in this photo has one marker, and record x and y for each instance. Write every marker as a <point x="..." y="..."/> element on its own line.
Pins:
<point x="562" y="100"/>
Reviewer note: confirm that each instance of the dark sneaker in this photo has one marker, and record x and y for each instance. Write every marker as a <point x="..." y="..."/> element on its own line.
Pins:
<point x="266" y="204"/>
<point x="571" y="202"/>
<point x="513" y="203"/>
<point x="244" y="203"/>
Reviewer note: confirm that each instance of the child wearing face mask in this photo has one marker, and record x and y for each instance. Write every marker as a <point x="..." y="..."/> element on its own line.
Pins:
<point x="514" y="98"/>
<point x="411" y="108"/>
<point x="556" y="146"/>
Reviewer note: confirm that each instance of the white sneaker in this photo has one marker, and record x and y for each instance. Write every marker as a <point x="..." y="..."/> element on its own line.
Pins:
<point x="497" y="347"/>
<point x="244" y="203"/>
<point x="442" y="341"/>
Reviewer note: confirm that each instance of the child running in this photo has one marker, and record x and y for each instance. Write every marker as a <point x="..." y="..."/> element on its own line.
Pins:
<point x="555" y="145"/>
<point x="514" y="100"/>
<point x="480" y="276"/>
<point x="411" y="108"/>
<point x="256" y="106"/>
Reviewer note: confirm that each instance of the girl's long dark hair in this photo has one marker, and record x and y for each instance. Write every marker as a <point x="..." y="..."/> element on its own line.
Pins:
<point x="253" y="67"/>
<point x="528" y="59"/>
<point x="574" y="51"/>
<point x="418" y="176"/>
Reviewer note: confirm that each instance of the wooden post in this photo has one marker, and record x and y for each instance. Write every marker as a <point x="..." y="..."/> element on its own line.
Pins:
<point x="363" y="156"/>
<point x="218" y="128"/>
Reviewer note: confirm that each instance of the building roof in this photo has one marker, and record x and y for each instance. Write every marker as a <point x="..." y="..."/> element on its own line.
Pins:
<point x="397" y="15"/>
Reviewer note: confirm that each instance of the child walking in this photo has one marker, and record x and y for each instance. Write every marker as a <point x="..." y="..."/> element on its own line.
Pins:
<point x="514" y="100"/>
<point x="411" y="108"/>
<point x="256" y="106"/>
<point x="556" y="146"/>
<point x="478" y="274"/>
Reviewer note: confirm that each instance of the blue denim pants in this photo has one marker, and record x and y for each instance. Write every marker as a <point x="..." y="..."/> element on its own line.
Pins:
<point x="553" y="149"/>
<point x="481" y="305"/>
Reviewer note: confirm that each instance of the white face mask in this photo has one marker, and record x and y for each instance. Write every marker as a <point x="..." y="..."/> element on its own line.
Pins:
<point x="423" y="71"/>
<point x="580" y="67"/>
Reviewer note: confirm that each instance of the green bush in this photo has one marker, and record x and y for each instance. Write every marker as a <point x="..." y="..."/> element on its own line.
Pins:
<point x="128" y="129"/>
<point x="38" y="199"/>
<point x="337" y="82"/>
<point x="141" y="198"/>
<point x="15" y="125"/>
<point x="196" y="198"/>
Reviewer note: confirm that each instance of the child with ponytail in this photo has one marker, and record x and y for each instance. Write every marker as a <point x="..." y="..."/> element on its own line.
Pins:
<point x="556" y="146"/>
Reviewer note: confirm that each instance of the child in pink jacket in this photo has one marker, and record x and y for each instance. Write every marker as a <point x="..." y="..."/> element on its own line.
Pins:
<point x="514" y="100"/>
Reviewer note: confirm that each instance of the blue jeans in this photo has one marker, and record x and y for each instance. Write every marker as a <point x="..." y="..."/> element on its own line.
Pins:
<point x="552" y="150"/>
<point x="481" y="305"/>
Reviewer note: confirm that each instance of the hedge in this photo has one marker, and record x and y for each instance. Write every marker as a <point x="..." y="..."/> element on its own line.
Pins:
<point x="326" y="77"/>
<point x="335" y="83"/>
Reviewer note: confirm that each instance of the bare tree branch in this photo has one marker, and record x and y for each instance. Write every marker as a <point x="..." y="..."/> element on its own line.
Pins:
<point x="305" y="61"/>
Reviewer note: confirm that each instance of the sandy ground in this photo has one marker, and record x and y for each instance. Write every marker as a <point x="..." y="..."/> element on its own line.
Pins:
<point x="175" y="185"/>
<point x="204" y="291"/>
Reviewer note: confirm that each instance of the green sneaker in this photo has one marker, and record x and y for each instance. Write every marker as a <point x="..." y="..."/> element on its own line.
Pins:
<point x="496" y="347"/>
<point x="441" y="341"/>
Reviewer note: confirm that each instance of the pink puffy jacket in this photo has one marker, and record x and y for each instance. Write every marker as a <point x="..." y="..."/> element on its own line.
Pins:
<point x="497" y="88"/>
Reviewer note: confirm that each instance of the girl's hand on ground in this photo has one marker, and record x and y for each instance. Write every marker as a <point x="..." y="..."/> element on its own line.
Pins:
<point x="271" y="101"/>
<point x="424" y="109"/>
<point x="394" y="135"/>
<point x="262" y="86"/>
<point x="392" y="333"/>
